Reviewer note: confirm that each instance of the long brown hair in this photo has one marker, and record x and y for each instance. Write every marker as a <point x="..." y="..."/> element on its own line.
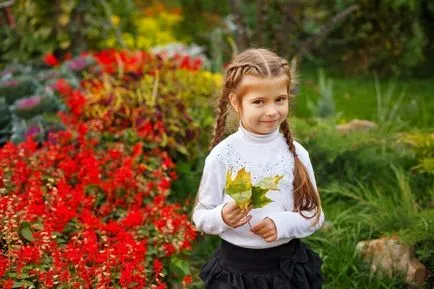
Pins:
<point x="265" y="63"/>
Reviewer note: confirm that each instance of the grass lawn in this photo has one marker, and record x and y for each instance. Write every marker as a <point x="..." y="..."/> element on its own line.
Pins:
<point x="355" y="97"/>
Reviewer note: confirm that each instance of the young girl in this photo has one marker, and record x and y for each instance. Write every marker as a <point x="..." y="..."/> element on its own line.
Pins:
<point x="260" y="247"/>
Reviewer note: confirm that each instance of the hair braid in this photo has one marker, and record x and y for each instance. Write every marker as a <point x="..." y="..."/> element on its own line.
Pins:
<point x="302" y="200"/>
<point x="288" y="137"/>
<point x="220" y="125"/>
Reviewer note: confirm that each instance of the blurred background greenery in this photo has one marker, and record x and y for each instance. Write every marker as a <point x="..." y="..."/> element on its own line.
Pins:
<point x="356" y="36"/>
<point x="357" y="59"/>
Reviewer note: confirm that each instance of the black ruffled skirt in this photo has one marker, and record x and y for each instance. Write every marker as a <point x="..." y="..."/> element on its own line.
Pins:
<point x="289" y="266"/>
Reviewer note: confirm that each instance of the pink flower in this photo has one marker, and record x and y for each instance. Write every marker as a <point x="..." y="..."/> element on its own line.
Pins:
<point x="29" y="103"/>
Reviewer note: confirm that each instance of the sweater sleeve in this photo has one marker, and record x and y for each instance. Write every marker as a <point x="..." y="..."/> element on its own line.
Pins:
<point x="207" y="214"/>
<point x="292" y="224"/>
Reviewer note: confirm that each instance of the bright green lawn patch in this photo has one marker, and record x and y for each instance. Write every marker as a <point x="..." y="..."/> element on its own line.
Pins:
<point x="355" y="97"/>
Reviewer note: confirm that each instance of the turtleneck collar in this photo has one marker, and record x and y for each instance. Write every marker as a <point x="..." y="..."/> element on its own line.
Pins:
<point x="258" y="138"/>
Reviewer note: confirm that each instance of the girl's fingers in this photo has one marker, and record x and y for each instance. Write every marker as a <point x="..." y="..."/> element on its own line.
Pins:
<point x="270" y="239"/>
<point x="268" y="234"/>
<point x="235" y="209"/>
<point x="234" y="219"/>
<point x="263" y="231"/>
<point x="243" y="221"/>
<point x="237" y="215"/>
<point x="240" y="218"/>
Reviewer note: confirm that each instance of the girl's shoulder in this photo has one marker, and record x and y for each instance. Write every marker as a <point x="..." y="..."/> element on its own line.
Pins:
<point x="301" y="151"/>
<point x="223" y="149"/>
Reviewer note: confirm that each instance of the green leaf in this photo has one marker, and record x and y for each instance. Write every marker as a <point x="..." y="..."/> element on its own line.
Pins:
<point x="179" y="266"/>
<point x="23" y="283"/>
<point x="259" y="199"/>
<point x="26" y="232"/>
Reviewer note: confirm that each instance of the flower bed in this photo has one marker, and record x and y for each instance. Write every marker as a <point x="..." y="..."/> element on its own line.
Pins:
<point x="85" y="205"/>
<point x="80" y="212"/>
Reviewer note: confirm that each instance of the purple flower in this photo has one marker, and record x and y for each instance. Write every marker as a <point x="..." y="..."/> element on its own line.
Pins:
<point x="33" y="130"/>
<point x="77" y="64"/>
<point x="52" y="138"/>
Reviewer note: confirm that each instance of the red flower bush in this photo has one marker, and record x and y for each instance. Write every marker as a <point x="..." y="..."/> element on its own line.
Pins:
<point x="87" y="206"/>
<point x="86" y="213"/>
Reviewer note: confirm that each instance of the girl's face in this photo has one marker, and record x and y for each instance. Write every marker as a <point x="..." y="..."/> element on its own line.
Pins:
<point x="264" y="104"/>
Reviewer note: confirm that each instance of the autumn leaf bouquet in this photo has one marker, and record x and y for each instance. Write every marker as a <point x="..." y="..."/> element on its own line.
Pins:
<point x="247" y="194"/>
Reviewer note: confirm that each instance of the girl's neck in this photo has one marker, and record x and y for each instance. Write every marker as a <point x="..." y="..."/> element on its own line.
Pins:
<point x="257" y="138"/>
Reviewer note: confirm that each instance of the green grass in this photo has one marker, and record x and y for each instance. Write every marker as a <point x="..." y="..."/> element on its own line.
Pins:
<point x="355" y="213"/>
<point x="355" y="97"/>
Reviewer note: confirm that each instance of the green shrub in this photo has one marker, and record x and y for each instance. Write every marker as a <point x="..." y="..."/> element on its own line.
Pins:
<point x="5" y="122"/>
<point x="62" y="27"/>
<point x="17" y="88"/>
<point x="388" y="36"/>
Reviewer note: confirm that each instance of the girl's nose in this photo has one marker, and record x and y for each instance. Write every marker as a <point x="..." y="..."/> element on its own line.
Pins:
<point x="271" y="110"/>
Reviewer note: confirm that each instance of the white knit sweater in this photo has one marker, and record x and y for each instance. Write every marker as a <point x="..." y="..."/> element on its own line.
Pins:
<point x="263" y="156"/>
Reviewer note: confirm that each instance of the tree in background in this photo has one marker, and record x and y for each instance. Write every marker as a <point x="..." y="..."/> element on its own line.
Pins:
<point x="359" y="35"/>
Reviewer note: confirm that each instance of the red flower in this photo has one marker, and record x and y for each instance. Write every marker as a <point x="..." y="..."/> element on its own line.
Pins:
<point x="133" y="219"/>
<point x="167" y="162"/>
<point x="185" y="63"/>
<point x="158" y="266"/>
<point x="164" y="185"/>
<point x="47" y="278"/>
<point x="197" y="63"/>
<point x="63" y="87"/>
<point x="76" y="102"/>
<point x="161" y="286"/>
<point x="126" y="274"/>
<point x="8" y="284"/>
<point x="187" y="279"/>
<point x="26" y="255"/>
<point x="169" y="248"/>
<point x="50" y="59"/>
<point x="137" y="149"/>
<point x="3" y="265"/>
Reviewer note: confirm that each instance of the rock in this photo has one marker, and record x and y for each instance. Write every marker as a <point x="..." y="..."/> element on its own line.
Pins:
<point x="389" y="255"/>
<point x="356" y="125"/>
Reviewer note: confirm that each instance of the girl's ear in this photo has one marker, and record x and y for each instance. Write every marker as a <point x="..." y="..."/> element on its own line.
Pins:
<point x="234" y="101"/>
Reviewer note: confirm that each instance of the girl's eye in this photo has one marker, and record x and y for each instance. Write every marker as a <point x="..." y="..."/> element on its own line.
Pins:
<point x="258" y="101"/>
<point x="281" y="99"/>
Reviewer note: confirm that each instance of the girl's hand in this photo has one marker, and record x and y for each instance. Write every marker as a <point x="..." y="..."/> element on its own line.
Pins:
<point x="233" y="215"/>
<point x="266" y="229"/>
